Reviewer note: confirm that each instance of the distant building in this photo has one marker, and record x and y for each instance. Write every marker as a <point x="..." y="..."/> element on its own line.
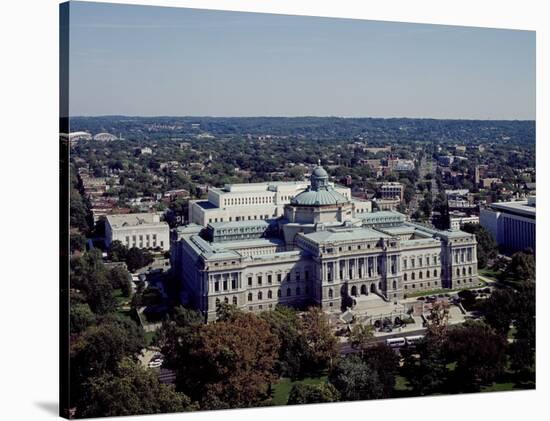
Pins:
<point x="446" y="160"/>
<point x="146" y="151"/>
<point x="141" y="230"/>
<point x="105" y="137"/>
<point x="387" y="204"/>
<point x="391" y="191"/>
<point x="458" y="219"/>
<point x="512" y="224"/>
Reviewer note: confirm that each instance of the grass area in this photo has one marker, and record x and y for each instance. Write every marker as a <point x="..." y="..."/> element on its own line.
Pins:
<point x="488" y="273"/>
<point x="443" y="290"/>
<point x="402" y="384"/>
<point x="281" y="390"/>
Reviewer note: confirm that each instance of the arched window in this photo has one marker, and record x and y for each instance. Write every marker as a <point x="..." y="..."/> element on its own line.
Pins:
<point x="463" y="271"/>
<point x="427" y="274"/>
<point x="249" y="296"/>
<point x="269" y="294"/>
<point x="412" y="276"/>
<point x="226" y="300"/>
<point x="288" y="292"/>
<point x="234" y="301"/>
<point x="435" y="272"/>
<point x="394" y="285"/>
<point x="457" y="272"/>
<point x="330" y="293"/>
<point x="260" y="295"/>
<point x="419" y="275"/>
<point x="405" y="277"/>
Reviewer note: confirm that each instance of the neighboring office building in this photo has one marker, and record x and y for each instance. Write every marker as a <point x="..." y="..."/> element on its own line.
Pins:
<point x="253" y="201"/>
<point x="458" y="219"/>
<point x="141" y="230"/>
<point x="320" y="251"/>
<point x="391" y="191"/>
<point x="512" y="224"/>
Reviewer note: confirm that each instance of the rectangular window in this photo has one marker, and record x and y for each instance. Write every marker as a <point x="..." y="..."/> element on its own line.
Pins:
<point x="250" y="281"/>
<point x="259" y="280"/>
<point x="269" y="279"/>
<point x="297" y="276"/>
<point x="279" y="278"/>
<point x="216" y="286"/>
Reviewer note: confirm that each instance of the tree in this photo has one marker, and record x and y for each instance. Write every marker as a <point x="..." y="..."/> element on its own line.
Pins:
<point x="499" y="310"/>
<point x="360" y="336"/>
<point x="130" y="390"/>
<point x="228" y="363"/>
<point x="312" y="393"/>
<point x="438" y="319"/>
<point x="426" y="367"/>
<point x="322" y="343"/>
<point x="522" y="351"/>
<point x="294" y="359"/>
<point x="81" y="317"/>
<point x="468" y="299"/>
<point x="382" y="359"/>
<point x="355" y="380"/>
<point x="117" y="251"/>
<point x="120" y="279"/>
<point x="137" y="258"/>
<point x="522" y="267"/>
<point x="479" y="353"/>
<point x="487" y="248"/>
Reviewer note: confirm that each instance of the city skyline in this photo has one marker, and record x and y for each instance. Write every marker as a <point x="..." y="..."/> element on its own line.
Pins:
<point x="137" y="61"/>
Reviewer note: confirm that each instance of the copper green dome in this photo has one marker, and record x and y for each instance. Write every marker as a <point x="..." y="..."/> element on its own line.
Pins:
<point x="320" y="192"/>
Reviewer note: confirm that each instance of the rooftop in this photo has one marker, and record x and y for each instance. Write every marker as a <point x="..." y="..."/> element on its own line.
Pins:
<point x="134" y="219"/>
<point x="522" y="208"/>
<point x="345" y="234"/>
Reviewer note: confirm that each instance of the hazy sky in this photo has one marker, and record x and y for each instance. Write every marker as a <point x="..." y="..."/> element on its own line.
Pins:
<point x="149" y="61"/>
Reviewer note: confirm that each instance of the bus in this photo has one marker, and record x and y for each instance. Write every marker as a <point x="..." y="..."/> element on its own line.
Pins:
<point x="413" y="340"/>
<point x="396" y="342"/>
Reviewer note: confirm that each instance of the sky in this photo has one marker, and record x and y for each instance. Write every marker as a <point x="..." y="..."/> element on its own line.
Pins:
<point x="158" y="61"/>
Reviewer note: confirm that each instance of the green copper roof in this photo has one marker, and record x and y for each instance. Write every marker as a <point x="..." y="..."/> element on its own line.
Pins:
<point x="323" y="196"/>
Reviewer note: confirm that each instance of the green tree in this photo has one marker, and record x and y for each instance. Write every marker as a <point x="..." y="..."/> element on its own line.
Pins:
<point x="479" y="353"/>
<point x="382" y="359"/>
<point x="487" y="248"/>
<point x="499" y="310"/>
<point x="522" y="351"/>
<point x="120" y="279"/>
<point x="355" y="380"/>
<point x="81" y="317"/>
<point x="312" y="393"/>
<point x="137" y="258"/>
<point x="360" y="336"/>
<point x="130" y="390"/>
<point x="522" y="267"/>
<point x="117" y="251"/>
<point x="322" y="344"/>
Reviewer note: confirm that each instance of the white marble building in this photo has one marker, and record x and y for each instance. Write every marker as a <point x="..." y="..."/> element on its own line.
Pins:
<point x="141" y="230"/>
<point x="318" y="251"/>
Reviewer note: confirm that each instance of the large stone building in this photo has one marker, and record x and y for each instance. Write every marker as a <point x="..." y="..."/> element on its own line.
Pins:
<point x="512" y="224"/>
<point x="141" y="230"/>
<point x="319" y="251"/>
<point x="254" y="201"/>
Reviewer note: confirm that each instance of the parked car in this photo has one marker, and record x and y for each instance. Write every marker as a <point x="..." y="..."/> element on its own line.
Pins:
<point x="155" y="363"/>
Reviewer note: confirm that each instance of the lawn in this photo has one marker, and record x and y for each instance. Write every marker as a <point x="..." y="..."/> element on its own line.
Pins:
<point x="444" y="290"/>
<point x="281" y="390"/>
<point x="149" y="338"/>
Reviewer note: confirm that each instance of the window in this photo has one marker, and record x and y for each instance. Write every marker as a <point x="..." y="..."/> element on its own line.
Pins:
<point x="435" y="272"/>
<point x="298" y="291"/>
<point x="306" y="275"/>
<point x="297" y="276"/>
<point x="234" y="301"/>
<point x="226" y="300"/>
<point x="259" y="280"/>
<point x="217" y="286"/>
<point x="288" y="292"/>
<point x="427" y="274"/>
<point x="405" y="277"/>
<point x="279" y="277"/>
<point x="260" y="295"/>
<point x="469" y="271"/>
<point x="249" y="296"/>
<point x="412" y="276"/>
<point x="250" y="281"/>
<point x="269" y="294"/>
<point x="457" y="272"/>
<point x="279" y="293"/>
<point x="269" y="279"/>
<point x="330" y="293"/>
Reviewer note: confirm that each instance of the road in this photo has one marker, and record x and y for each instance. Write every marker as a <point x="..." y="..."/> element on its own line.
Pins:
<point x="346" y="348"/>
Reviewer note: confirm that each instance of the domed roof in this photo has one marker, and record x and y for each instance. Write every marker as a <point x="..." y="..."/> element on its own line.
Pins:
<point x="319" y="172"/>
<point x="320" y="197"/>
